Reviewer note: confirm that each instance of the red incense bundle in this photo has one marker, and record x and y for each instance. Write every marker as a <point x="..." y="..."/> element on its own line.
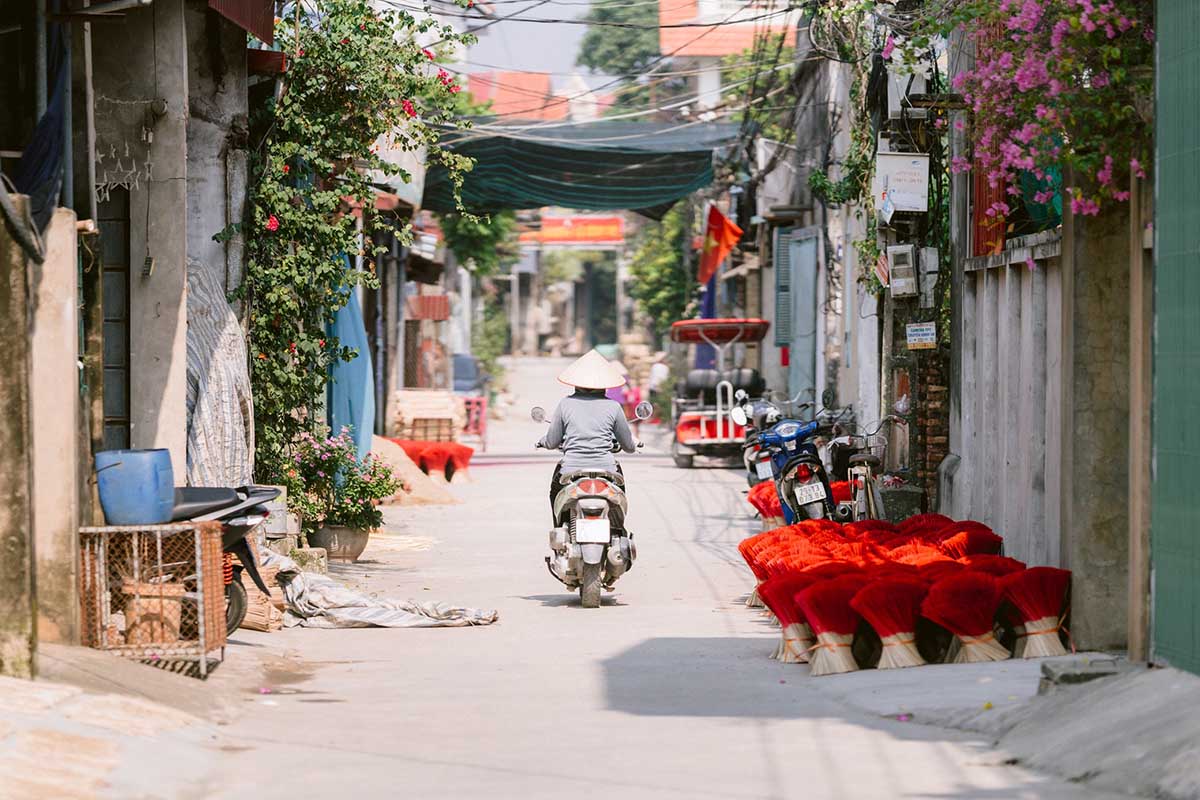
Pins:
<point x="924" y="522"/>
<point x="958" y="527"/>
<point x="862" y="526"/>
<point x="891" y="606"/>
<point x="840" y="491"/>
<point x="779" y="595"/>
<point x="1039" y="594"/>
<point x="965" y="604"/>
<point x="826" y="607"/>
<point x="998" y="566"/>
<point x="971" y="541"/>
<point x="765" y="499"/>
<point x="934" y="570"/>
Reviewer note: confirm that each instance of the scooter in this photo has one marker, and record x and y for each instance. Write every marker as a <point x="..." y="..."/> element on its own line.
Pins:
<point x="788" y="455"/>
<point x="239" y="511"/>
<point x="590" y="546"/>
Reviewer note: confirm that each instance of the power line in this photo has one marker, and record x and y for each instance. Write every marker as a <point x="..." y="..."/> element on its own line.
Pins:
<point x="690" y="99"/>
<point x="650" y="67"/>
<point x="597" y="23"/>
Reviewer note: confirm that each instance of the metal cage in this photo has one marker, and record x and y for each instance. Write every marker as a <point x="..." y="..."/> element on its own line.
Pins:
<point x="154" y="593"/>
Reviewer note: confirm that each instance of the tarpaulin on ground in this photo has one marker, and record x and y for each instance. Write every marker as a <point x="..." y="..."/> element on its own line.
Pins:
<point x="601" y="165"/>
<point x="312" y="600"/>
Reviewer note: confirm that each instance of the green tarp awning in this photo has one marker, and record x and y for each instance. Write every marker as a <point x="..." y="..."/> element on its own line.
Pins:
<point x="602" y="165"/>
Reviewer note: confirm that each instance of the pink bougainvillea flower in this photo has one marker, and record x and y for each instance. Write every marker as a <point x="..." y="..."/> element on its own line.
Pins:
<point x="408" y="107"/>
<point x="429" y="54"/>
<point x="889" y="47"/>
<point x="272" y="223"/>
<point x="286" y="169"/>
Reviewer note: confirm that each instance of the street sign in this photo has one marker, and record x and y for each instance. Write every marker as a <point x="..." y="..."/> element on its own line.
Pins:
<point x="921" y="335"/>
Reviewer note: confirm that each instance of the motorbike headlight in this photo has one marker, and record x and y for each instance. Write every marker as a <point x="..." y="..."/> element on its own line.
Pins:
<point x="787" y="429"/>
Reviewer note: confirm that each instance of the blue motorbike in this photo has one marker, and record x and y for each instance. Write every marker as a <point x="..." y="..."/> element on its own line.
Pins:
<point x="788" y="455"/>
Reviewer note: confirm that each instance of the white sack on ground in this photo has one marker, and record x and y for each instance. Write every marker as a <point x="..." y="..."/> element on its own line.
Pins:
<point x="318" y="601"/>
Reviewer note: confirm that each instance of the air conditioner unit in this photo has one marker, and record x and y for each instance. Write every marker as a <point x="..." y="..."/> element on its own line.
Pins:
<point x="898" y="90"/>
<point x="902" y="265"/>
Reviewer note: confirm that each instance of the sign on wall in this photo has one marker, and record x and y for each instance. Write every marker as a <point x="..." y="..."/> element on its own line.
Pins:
<point x="921" y="335"/>
<point x="902" y="181"/>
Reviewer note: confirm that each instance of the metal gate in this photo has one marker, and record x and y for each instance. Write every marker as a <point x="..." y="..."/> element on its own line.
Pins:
<point x="1175" y="514"/>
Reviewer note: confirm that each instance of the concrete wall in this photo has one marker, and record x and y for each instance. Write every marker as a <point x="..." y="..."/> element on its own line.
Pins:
<point x="54" y="409"/>
<point x="128" y="79"/>
<point x="18" y="629"/>
<point x="216" y="140"/>
<point x="1096" y="490"/>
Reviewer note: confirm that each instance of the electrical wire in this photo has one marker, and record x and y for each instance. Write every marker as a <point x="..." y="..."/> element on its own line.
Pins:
<point x="650" y="67"/>
<point x="590" y="23"/>
<point x="671" y="106"/>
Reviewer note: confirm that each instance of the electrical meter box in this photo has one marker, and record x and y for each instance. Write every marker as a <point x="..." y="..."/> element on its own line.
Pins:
<point x="902" y="264"/>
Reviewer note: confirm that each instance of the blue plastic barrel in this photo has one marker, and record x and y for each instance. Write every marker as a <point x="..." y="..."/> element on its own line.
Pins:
<point x="137" y="487"/>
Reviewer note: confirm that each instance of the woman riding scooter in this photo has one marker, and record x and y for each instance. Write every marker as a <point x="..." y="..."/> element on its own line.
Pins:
<point x="586" y="423"/>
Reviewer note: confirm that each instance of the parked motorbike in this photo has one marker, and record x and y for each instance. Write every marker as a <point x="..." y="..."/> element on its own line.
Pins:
<point x="239" y="511"/>
<point x="787" y="454"/>
<point x="856" y="455"/>
<point x="590" y="545"/>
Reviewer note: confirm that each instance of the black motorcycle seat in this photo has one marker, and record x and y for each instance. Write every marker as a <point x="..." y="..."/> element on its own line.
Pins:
<point x="591" y="473"/>
<point x="865" y="458"/>
<point x="196" y="501"/>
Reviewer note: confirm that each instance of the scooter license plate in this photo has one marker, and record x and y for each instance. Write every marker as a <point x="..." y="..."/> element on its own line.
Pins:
<point x="764" y="469"/>
<point x="591" y="531"/>
<point x="809" y="493"/>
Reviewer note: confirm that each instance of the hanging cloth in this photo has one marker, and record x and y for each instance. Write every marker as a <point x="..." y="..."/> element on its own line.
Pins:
<point x="350" y="397"/>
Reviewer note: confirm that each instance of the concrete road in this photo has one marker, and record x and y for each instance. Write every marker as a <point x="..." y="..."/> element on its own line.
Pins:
<point x="666" y="691"/>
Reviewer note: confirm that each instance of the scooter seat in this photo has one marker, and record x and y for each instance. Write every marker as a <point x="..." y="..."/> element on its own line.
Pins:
<point x="592" y="473"/>
<point x="196" y="501"/>
<point x="864" y="458"/>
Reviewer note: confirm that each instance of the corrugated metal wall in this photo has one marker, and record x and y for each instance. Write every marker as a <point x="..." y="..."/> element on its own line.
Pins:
<point x="1175" y="527"/>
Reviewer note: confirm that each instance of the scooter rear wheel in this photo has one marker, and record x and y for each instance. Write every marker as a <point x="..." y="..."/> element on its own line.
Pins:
<point x="236" y="605"/>
<point x="589" y="589"/>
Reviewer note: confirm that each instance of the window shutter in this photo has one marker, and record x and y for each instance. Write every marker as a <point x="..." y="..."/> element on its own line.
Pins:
<point x="782" y="259"/>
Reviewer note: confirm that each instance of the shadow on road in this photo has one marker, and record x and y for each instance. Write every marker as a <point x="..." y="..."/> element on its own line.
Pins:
<point x="569" y="600"/>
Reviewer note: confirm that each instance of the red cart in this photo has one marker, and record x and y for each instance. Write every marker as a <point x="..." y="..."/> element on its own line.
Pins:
<point x="704" y="398"/>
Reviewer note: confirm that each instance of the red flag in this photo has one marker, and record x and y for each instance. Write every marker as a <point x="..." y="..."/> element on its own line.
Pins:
<point x="720" y="236"/>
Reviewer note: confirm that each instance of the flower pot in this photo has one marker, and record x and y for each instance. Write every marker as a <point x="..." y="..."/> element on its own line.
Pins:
<point x="340" y="543"/>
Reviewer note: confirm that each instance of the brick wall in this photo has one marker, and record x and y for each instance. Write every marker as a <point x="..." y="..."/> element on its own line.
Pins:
<point x="933" y="421"/>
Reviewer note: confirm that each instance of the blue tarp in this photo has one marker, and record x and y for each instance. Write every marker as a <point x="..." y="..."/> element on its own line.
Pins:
<point x="350" y="398"/>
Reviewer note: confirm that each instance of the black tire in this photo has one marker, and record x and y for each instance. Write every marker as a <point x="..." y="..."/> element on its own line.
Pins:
<point x="589" y="588"/>
<point x="236" y="605"/>
<point x="682" y="461"/>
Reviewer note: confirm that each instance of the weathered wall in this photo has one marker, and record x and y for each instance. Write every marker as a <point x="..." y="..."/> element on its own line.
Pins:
<point x="220" y="436"/>
<point x="18" y="605"/>
<point x="216" y="139"/>
<point x="1095" y="542"/>
<point x="128" y="79"/>
<point x="53" y="407"/>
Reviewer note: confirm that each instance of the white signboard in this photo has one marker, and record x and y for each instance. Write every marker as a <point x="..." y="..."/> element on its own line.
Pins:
<point x="921" y="335"/>
<point x="902" y="181"/>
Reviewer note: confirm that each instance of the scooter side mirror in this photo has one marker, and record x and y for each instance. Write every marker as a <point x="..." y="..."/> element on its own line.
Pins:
<point x="643" y="410"/>
<point x="537" y="414"/>
<point x="738" y="415"/>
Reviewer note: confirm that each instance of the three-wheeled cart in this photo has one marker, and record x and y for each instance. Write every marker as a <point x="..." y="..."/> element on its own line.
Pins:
<point x="703" y="399"/>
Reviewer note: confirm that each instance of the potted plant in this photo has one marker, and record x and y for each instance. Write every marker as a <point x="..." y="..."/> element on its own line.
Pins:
<point x="336" y="494"/>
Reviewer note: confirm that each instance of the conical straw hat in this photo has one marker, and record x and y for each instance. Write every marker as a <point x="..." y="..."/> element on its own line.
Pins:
<point x="592" y="371"/>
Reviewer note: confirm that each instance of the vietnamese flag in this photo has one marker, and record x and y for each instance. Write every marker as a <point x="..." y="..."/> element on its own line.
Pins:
<point x="720" y="235"/>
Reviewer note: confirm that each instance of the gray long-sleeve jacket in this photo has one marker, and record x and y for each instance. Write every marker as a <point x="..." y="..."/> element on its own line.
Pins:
<point x="585" y="426"/>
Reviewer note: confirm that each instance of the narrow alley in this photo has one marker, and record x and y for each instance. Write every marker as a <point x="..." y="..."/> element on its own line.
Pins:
<point x="665" y="691"/>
